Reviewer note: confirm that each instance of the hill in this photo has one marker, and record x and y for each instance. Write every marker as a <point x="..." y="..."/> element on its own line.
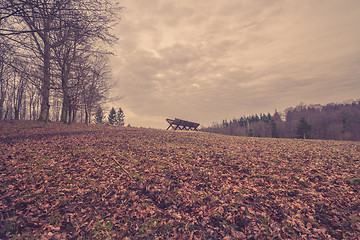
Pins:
<point x="103" y="182"/>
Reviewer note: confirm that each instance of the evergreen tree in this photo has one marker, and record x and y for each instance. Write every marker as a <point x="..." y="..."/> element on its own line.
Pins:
<point x="120" y="118"/>
<point x="112" y="116"/>
<point x="225" y="123"/>
<point x="99" y="118"/>
<point x="303" y="129"/>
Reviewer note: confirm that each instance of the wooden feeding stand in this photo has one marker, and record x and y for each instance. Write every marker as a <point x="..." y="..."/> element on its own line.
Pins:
<point x="181" y="124"/>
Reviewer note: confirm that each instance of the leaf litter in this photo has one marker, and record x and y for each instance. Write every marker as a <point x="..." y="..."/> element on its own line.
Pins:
<point x="103" y="182"/>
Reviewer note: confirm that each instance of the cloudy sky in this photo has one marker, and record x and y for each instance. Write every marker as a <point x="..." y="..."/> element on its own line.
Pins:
<point x="207" y="60"/>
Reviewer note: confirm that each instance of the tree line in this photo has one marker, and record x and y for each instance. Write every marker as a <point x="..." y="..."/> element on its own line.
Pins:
<point x="54" y="62"/>
<point x="114" y="117"/>
<point x="340" y="121"/>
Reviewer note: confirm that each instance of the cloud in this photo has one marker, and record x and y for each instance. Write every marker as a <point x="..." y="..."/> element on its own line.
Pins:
<point x="209" y="60"/>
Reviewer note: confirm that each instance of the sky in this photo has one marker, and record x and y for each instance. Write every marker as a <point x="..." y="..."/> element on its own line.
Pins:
<point x="209" y="60"/>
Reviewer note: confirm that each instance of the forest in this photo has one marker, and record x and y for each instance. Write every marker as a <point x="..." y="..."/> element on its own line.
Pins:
<point x="54" y="58"/>
<point x="339" y="121"/>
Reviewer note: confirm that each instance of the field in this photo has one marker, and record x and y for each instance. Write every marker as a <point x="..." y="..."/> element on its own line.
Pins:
<point x="102" y="182"/>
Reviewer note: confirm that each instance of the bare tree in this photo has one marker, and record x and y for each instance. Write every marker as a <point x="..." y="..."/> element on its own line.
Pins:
<point x="44" y="27"/>
<point x="4" y="82"/>
<point x="96" y="89"/>
<point x="6" y="53"/>
<point x="39" y="19"/>
<point x="19" y="93"/>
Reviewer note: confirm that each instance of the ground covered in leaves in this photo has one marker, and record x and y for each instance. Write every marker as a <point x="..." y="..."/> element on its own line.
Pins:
<point x="101" y="182"/>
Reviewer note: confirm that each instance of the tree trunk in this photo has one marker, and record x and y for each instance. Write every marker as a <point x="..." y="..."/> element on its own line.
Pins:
<point x="35" y="104"/>
<point x="45" y="89"/>
<point x="2" y="101"/>
<point x="87" y="115"/>
<point x="69" y="112"/>
<point x="6" y="113"/>
<point x="23" y="114"/>
<point x="30" y="105"/>
<point x="64" y="110"/>
<point x="16" y="114"/>
<point x="74" y="115"/>
<point x="18" y="98"/>
<point x="2" y="92"/>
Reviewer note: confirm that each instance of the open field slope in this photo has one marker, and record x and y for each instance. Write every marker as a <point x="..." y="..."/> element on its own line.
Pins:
<point x="101" y="182"/>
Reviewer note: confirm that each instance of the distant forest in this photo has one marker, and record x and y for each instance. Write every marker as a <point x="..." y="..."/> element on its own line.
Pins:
<point x="332" y="121"/>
